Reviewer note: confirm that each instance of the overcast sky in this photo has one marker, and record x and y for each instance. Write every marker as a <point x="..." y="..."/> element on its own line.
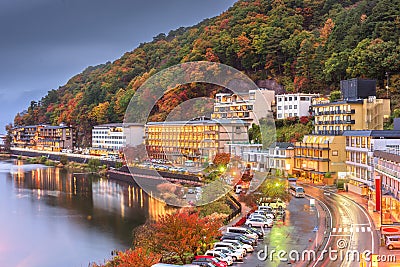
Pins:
<point x="43" y="43"/>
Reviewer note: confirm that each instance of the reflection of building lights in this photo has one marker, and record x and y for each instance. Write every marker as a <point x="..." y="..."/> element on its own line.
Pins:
<point x="129" y="196"/>
<point x="122" y="205"/>
<point x="141" y="197"/>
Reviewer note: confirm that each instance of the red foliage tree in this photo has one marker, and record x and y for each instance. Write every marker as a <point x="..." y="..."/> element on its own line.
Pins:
<point x="133" y="257"/>
<point x="222" y="158"/>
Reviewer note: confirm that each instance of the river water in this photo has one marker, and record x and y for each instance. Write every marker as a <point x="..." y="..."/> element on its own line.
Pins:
<point x="49" y="217"/>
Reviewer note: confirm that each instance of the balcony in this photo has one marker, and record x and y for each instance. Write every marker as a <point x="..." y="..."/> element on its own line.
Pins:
<point x="329" y="132"/>
<point x="388" y="171"/>
<point x="349" y="122"/>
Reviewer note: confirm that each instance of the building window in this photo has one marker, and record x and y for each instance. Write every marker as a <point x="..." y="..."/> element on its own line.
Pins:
<point x="295" y="98"/>
<point x="286" y="107"/>
<point x="279" y="99"/>
<point x="279" y="107"/>
<point x="279" y="116"/>
<point x="295" y="106"/>
<point x="290" y="106"/>
<point x="290" y="98"/>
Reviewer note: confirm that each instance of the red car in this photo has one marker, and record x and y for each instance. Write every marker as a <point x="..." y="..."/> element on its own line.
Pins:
<point x="211" y="259"/>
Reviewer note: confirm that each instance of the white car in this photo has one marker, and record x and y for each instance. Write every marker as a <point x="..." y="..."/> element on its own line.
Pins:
<point x="258" y="222"/>
<point x="239" y="245"/>
<point x="265" y="208"/>
<point x="242" y="230"/>
<point x="236" y="256"/>
<point x="229" y="245"/>
<point x="259" y="216"/>
<point x="220" y="256"/>
<point x="265" y="213"/>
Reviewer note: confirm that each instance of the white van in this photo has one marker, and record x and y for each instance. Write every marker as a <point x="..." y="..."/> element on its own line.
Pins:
<point x="238" y="189"/>
<point x="242" y="230"/>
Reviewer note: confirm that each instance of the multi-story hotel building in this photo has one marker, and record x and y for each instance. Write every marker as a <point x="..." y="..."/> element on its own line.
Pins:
<point x="197" y="140"/>
<point x="387" y="178"/>
<point x="44" y="137"/>
<point x="360" y="147"/>
<point x="114" y="136"/>
<point x="320" y="158"/>
<point x="278" y="157"/>
<point x="249" y="107"/>
<point x="322" y="155"/>
<point x="332" y="118"/>
<point x="293" y="105"/>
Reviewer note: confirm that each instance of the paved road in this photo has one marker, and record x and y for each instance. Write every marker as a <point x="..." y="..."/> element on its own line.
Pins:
<point x="351" y="231"/>
<point x="293" y="234"/>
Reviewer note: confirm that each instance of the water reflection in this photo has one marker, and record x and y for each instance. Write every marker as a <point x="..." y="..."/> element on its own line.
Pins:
<point x="96" y="211"/>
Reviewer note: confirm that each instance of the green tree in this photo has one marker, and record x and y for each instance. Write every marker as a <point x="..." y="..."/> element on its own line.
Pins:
<point x="254" y="134"/>
<point x="63" y="159"/>
<point x="8" y="139"/>
<point x="334" y="96"/>
<point x="93" y="164"/>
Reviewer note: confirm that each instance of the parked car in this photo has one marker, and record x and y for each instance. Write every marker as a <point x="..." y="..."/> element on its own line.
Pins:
<point x="265" y="208"/>
<point x="213" y="260"/>
<point x="173" y="265"/>
<point x="202" y="264"/>
<point x="236" y="256"/>
<point x="239" y="245"/>
<point x="231" y="246"/>
<point x="241" y="230"/>
<point x="258" y="222"/>
<point x="241" y="238"/>
<point x="220" y="256"/>
<point x="259" y="216"/>
<point x="256" y="231"/>
<point x="277" y="204"/>
<point x="393" y="241"/>
<point x="268" y="214"/>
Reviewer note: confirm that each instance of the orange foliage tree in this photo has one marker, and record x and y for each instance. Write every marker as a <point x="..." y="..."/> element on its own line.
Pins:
<point x="133" y="257"/>
<point x="178" y="237"/>
<point x="222" y="158"/>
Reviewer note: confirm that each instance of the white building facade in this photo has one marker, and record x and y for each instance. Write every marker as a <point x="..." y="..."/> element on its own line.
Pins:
<point x="249" y="107"/>
<point x="360" y="147"/>
<point x="114" y="136"/>
<point x="293" y="105"/>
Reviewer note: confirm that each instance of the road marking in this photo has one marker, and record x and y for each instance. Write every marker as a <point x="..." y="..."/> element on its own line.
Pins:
<point x="369" y="229"/>
<point x="345" y="229"/>
<point x="333" y="230"/>
<point x="351" y="229"/>
<point x="357" y="229"/>
<point x="363" y="229"/>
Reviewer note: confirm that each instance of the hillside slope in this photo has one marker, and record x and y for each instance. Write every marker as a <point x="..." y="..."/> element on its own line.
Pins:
<point x="306" y="45"/>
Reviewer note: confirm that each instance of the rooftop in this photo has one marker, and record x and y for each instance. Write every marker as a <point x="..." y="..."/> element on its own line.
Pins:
<point x="374" y="133"/>
<point x="201" y="122"/>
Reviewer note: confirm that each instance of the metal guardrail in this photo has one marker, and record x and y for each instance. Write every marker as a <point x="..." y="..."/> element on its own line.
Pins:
<point x="236" y="212"/>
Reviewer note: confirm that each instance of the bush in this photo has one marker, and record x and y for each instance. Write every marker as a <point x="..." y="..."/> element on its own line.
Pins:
<point x="42" y="159"/>
<point x="63" y="159"/>
<point x="93" y="164"/>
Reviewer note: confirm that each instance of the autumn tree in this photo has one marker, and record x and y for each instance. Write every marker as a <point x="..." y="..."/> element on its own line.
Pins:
<point x="180" y="235"/>
<point x="222" y="159"/>
<point x="133" y="257"/>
